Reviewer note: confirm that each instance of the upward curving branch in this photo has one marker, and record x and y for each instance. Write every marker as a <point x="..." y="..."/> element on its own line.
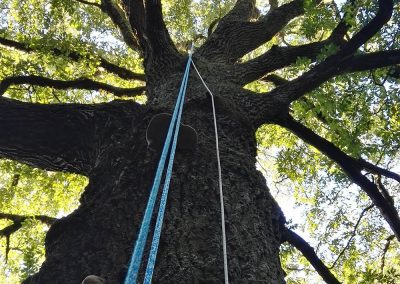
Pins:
<point x="343" y="61"/>
<point x="161" y="49"/>
<point x="117" y="15"/>
<point x="281" y="56"/>
<point x="81" y="83"/>
<point x="351" y="166"/>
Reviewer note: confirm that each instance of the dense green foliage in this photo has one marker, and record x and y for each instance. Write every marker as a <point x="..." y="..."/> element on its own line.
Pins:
<point x="360" y="113"/>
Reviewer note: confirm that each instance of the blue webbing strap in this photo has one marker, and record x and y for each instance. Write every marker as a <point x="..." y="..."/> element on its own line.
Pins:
<point x="134" y="266"/>
<point x="160" y="217"/>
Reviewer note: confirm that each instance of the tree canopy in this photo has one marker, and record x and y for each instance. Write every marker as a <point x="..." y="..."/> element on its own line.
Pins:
<point x="334" y="154"/>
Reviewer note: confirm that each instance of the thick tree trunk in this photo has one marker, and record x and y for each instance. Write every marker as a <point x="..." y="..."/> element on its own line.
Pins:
<point x="98" y="237"/>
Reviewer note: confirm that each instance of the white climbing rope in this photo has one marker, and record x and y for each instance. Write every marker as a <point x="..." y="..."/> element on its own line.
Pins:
<point x="221" y="194"/>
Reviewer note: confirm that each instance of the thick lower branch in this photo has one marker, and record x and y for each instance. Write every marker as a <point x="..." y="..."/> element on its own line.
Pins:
<point x="309" y="253"/>
<point x="350" y="166"/>
<point x="51" y="137"/>
<point x="82" y="83"/>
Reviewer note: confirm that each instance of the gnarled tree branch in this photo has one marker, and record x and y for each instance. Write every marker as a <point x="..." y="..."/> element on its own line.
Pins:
<point x="81" y="83"/>
<point x="234" y="38"/>
<point x="350" y="166"/>
<point x="309" y="253"/>
<point x="281" y="56"/>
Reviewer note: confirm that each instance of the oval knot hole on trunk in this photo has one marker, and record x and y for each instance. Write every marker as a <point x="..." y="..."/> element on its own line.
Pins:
<point x="158" y="129"/>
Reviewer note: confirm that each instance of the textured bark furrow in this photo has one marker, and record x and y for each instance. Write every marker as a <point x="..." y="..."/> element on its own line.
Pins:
<point x="47" y="136"/>
<point x="103" y="229"/>
<point x="351" y="167"/>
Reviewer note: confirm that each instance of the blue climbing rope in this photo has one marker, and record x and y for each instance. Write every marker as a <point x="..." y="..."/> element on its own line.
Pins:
<point x="137" y="255"/>
<point x="160" y="217"/>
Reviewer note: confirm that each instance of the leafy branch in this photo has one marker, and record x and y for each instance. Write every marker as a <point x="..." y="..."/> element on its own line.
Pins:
<point x="81" y="83"/>
<point x="75" y="56"/>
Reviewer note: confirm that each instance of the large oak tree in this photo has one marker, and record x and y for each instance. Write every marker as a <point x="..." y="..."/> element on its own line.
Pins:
<point x="244" y="48"/>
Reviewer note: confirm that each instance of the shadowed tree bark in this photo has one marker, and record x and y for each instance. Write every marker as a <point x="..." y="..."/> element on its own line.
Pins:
<point x="107" y="143"/>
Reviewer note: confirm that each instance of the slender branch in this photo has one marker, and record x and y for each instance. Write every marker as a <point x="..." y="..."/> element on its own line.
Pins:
<point x="353" y="234"/>
<point x="385" y="250"/>
<point x="383" y="190"/>
<point x="82" y="83"/>
<point x="274" y="79"/>
<point x="75" y="56"/>
<point x="385" y="10"/>
<point x="309" y="253"/>
<point x="350" y="166"/>
<point x="244" y="10"/>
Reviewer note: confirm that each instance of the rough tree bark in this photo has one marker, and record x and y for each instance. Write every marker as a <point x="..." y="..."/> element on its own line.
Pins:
<point x="107" y="143"/>
<point x="98" y="237"/>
